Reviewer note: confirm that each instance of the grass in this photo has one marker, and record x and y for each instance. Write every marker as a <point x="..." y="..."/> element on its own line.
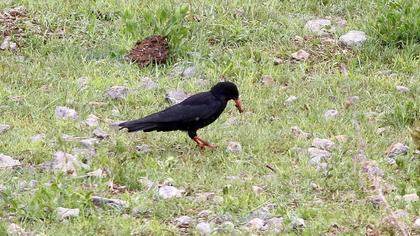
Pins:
<point x="237" y="40"/>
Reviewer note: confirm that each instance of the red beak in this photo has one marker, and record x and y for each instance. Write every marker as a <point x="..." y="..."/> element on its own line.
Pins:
<point x="239" y="105"/>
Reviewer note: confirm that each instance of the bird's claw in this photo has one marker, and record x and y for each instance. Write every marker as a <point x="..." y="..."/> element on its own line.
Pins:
<point x="203" y="145"/>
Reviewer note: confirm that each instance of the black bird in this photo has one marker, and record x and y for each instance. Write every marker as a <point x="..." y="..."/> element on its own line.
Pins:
<point x="191" y="114"/>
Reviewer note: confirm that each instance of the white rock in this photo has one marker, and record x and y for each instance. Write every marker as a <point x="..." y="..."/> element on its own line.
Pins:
<point x="183" y="221"/>
<point x="100" y="201"/>
<point x="92" y="120"/>
<point x="417" y="223"/>
<point x="96" y="173"/>
<point x="324" y="144"/>
<point x="232" y="121"/>
<point x="276" y="224"/>
<point x="204" y="197"/>
<point x="256" y="224"/>
<point x="234" y="147"/>
<point x="331" y="114"/>
<point x="100" y="133"/>
<point x="82" y="82"/>
<point x="290" y="100"/>
<point x="203" y="228"/>
<point x="300" y="55"/>
<point x="380" y="131"/>
<point x="117" y="92"/>
<point x="84" y="152"/>
<point x="37" y="137"/>
<point x="167" y="192"/>
<point x="402" y="89"/>
<point x="353" y="38"/>
<point x="64" y="213"/>
<point x="115" y="112"/>
<point x="188" y="72"/>
<point x="147" y="183"/>
<point x="143" y="148"/>
<point x="412" y="197"/>
<point x="148" y="83"/>
<point x="7" y="161"/>
<point x="319" y="27"/>
<point x="204" y="214"/>
<point x="65" y="113"/>
<point x="319" y="153"/>
<point x="257" y="189"/>
<point x="16" y="230"/>
<point x="297" y="223"/>
<point x="8" y="44"/>
<point x="4" y="128"/>
<point x="298" y="133"/>
<point x="397" y="149"/>
<point x="89" y="142"/>
<point x="176" y="96"/>
<point x="267" y="80"/>
<point x="65" y="162"/>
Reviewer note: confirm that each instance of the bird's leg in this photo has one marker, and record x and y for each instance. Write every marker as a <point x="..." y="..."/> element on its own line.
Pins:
<point x="205" y="143"/>
<point x="199" y="144"/>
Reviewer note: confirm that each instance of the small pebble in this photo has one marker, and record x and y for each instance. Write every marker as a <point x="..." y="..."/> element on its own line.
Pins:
<point x="412" y="197"/>
<point x="300" y="55"/>
<point x="92" y="120"/>
<point x="65" y="113"/>
<point x="167" y="192"/>
<point x="203" y="228"/>
<point x="4" y="128"/>
<point x="117" y="92"/>
<point x="353" y="38"/>
<point x="64" y="213"/>
<point x="324" y="144"/>
<point x="402" y="89"/>
<point x="234" y="147"/>
<point x="331" y="114"/>
<point x="290" y="100"/>
<point x="298" y="223"/>
<point x="183" y="221"/>
<point x="100" y="133"/>
<point x="143" y="148"/>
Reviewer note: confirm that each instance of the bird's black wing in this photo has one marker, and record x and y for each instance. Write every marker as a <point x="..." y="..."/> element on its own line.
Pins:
<point x="200" y="106"/>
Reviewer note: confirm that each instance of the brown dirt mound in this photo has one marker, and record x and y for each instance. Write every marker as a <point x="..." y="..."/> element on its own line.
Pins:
<point x="9" y="21"/>
<point x="153" y="49"/>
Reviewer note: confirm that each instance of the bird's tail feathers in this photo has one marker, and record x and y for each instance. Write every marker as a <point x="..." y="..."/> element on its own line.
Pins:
<point x="137" y="125"/>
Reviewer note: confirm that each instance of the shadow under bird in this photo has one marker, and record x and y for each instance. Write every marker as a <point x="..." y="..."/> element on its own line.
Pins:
<point x="193" y="113"/>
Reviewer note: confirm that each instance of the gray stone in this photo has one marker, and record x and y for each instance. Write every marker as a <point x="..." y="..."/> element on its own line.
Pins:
<point x="37" y="137"/>
<point x="256" y="224"/>
<point x="297" y="223"/>
<point x="66" y="163"/>
<point x="117" y="92"/>
<point x="96" y="173"/>
<point x="188" y="72"/>
<point x="267" y="80"/>
<point x="402" y="89"/>
<point x="204" y="197"/>
<point x="412" y="197"/>
<point x="147" y="183"/>
<point x="319" y="27"/>
<point x="82" y="82"/>
<point x="176" y="96"/>
<point x="115" y="112"/>
<point x="183" y="221"/>
<point x="204" y="214"/>
<point x="65" y="113"/>
<point x="324" y="144"/>
<point x="148" y="83"/>
<point x="290" y="100"/>
<point x="4" y="128"/>
<point x="100" y="133"/>
<point x="380" y="131"/>
<point x="331" y="114"/>
<point x="416" y="224"/>
<point x="64" y="213"/>
<point x="100" y="201"/>
<point x="203" y="228"/>
<point x="234" y="147"/>
<point x="232" y="121"/>
<point x="257" y="189"/>
<point x="92" y="120"/>
<point x="226" y="227"/>
<point x="276" y="224"/>
<point x="167" y="192"/>
<point x="300" y="55"/>
<point x="318" y="153"/>
<point x="298" y="133"/>
<point x="353" y="38"/>
<point x="7" y="44"/>
<point x="84" y="152"/>
<point x="143" y="148"/>
<point x="397" y="149"/>
<point x="89" y="142"/>
<point x="8" y="162"/>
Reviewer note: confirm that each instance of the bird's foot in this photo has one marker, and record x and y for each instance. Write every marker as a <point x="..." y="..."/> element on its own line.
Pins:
<point x="202" y="144"/>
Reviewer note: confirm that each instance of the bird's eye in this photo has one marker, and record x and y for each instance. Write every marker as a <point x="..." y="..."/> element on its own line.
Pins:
<point x="197" y="118"/>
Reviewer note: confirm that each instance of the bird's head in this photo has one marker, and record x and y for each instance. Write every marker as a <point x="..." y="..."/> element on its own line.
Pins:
<point x="227" y="91"/>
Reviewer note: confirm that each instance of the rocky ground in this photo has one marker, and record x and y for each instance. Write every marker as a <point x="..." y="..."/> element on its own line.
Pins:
<point x="324" y="146"/>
